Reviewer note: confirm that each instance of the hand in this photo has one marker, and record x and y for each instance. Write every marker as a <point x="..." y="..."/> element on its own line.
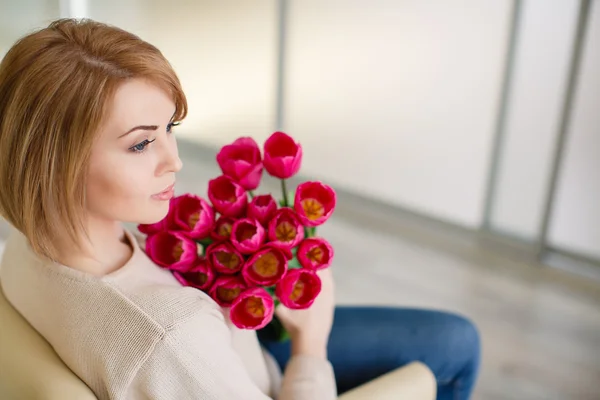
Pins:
<point x="309" y="329"/>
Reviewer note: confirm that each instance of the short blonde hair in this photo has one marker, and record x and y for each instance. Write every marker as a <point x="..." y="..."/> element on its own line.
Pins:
<point x="56" y="87"/>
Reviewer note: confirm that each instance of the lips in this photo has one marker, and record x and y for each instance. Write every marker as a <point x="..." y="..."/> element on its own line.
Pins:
<point x="166" y="194"/>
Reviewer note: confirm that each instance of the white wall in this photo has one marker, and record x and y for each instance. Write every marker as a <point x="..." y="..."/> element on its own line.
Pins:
<point x="398" y="99"/>
<point x="543" y="51"/>
<point x="575" y="223"/>
<point x="224" y="53"/>
<point x="18" y="18"/>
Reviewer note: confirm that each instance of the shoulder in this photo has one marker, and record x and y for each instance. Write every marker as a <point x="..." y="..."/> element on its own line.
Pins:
<point x="169" y="306"/>
<point x="154" y="290"/>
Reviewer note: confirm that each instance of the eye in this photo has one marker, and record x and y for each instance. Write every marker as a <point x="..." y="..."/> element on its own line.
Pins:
<point x="170" y="126"/>
<point x="141" y="147"/>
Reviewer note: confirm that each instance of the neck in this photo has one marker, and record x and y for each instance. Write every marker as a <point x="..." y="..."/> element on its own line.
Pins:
<point x="106" y="250"/>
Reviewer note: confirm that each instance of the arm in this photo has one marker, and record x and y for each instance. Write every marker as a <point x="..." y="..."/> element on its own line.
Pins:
<point x="309" y="375"/>
<point x="195" y="359"/>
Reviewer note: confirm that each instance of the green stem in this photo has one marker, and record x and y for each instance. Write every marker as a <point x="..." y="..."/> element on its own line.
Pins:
<point x="205" y="243"/>
<point x="251" y="194"/>
<point x="285" y="193"/>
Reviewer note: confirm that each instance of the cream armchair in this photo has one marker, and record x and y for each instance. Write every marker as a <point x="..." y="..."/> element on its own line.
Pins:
<point x="30" y="369"/>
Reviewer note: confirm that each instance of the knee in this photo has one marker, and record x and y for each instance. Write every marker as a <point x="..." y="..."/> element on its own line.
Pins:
<point x="464" y="328"/>
<point x="464" y="349"/>
<point x="464" y="337"/>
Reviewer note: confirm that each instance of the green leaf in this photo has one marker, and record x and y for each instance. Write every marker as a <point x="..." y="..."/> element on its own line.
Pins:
<point x="206" y="241"/>
<point x="294" y="263"/>
<point x="271" y="291"/>
<point x="310" y="231"/>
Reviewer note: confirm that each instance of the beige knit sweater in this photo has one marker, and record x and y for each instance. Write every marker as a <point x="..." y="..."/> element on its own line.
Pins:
<point x="137" y="334"/>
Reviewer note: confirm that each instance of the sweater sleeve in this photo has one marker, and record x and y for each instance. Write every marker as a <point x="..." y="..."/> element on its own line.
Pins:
<point x="196" y="360"/>
<point x="308" y="378"/>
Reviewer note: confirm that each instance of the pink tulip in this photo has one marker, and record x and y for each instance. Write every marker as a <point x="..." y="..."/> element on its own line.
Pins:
<point x="265" y="267"/>
<point x="193" y="215"/>
<point x="150" y="229"/>
<point x="247" y="235"/>
<point x="200" y="275"/>
<point x="227" y="197"/>
<point x="314" y="203"/>
<point x="253" y="309"/>
<point x="224" y="258"/>
<point x="172" y="250"/>
<point x="283" y="156"/>
<point x="315" y="253"/>
<point x="262" y="208"/>
<point x="285" y="229"/>
<point x="226" y="289"/>
<point x="298" y="289"/>
<point x="222" y="230"/>
<point x="241" y="161"/>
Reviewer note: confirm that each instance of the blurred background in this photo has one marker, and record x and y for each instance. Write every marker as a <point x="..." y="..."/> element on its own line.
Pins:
<point x="462" y="136"/>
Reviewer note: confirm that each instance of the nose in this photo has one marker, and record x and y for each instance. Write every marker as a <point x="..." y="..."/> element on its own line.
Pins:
<point x="168" y="157"/>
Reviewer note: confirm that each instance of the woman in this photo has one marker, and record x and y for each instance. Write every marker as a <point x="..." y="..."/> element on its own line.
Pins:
<point x="86" y="143"/>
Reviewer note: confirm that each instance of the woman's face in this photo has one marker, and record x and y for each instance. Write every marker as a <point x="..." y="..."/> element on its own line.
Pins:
<point x="134" y="158"/>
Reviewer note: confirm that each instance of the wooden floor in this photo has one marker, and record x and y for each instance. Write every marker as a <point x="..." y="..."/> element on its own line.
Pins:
<point x="540" y="327"/>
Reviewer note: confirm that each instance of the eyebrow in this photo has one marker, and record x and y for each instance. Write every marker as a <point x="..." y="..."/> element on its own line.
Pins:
<point x="142" y="127"/>
<point x="145" y="127"/>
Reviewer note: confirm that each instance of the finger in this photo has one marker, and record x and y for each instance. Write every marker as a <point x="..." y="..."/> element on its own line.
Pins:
<point x="282" y="312"/>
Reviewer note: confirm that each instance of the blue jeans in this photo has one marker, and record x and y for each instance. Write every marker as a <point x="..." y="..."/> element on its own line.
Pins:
<point x="367" y="342"/>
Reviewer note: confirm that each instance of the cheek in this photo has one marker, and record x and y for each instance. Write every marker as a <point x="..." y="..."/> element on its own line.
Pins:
<point x="119" y="188"/>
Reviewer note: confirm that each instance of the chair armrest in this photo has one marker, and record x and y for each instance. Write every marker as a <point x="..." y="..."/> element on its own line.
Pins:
<point x="30" y="369"/>
<point x="414" y="381"/>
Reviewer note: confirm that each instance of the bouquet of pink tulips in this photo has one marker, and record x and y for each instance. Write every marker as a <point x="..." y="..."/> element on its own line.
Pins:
<point x="248" y="252"/>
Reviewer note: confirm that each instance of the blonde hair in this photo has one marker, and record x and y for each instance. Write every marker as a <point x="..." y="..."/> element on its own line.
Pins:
<point x="56" y="88"/>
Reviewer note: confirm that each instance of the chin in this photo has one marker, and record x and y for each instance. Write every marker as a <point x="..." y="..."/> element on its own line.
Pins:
<point x="156" y="215"/>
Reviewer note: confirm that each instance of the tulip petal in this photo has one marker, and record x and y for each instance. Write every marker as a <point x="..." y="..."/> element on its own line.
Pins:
<point x="241" y="161"/>
<point x="314" y="203"/>
<point x="298" y="289"/>
<point x="247" y="235"/>
<point x="222" y="230"/>
<point x="224" y="258"/>
<point x="265" y="267"/>
<point x="226" y="289"/>
<point x="172" y="250"/>
<point x="253" y="309"/>
<point x="285" y="229"/>
<point x="193" y="215"/>
<point x="227" y="197"/>
<point x="200" y="276"/>
<point x="262" y="208"/>
<point x="315" y="253"/>
<point x="283" y="156"/>
<point x="246" y="141"/>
